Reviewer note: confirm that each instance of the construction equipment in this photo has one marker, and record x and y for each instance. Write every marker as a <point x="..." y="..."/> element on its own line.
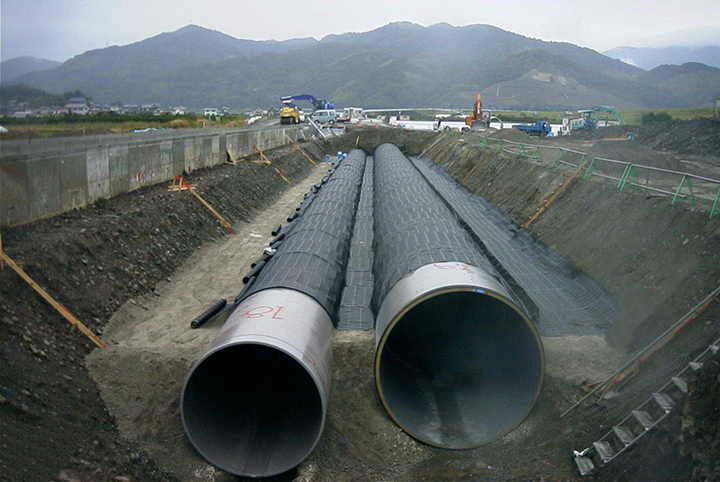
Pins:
<point x="317" y="103"/>
<point x="586" y="122"/>
<point x="540" y="129"/>
<point x="289" y="114"/>
<point x="476" y="120"/>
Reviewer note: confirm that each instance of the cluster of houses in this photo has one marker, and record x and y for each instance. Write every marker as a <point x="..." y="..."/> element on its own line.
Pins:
<point x="81" y="106"/>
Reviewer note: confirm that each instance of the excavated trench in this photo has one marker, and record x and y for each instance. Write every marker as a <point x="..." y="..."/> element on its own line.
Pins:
<point x="562" y="268"/>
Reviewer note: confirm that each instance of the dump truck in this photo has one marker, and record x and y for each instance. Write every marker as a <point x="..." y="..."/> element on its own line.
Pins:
<point x="540" y="128"/>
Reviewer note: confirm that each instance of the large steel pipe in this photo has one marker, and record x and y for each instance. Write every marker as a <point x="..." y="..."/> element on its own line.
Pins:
<point x="255" y="403"/>
<point x="458" y="362"/>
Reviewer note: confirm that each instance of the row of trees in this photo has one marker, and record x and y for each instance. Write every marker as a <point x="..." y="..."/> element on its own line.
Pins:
<point x="21" y="93"/>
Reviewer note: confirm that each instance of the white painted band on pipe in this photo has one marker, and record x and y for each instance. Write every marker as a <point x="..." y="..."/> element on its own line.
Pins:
<point x="457" y="363"/>
<point x="255" y="404"/>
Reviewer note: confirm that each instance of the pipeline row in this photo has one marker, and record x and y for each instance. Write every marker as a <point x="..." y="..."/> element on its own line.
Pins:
<point x="255" y="403"/>
<point x="458" y="362"/>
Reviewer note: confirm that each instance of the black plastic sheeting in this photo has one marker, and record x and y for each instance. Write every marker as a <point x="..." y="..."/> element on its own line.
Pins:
<point x="413" y="227"/>
<point x="569" y="302"/>
<point x="313" y="250"/>
<point x="355" y="307"/>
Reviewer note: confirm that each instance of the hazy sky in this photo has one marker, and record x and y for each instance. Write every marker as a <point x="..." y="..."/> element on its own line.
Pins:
<point x="60" y="29"/>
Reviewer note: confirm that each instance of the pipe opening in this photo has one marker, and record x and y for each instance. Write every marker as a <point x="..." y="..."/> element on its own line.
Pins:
<point x="460" y="368"/>
<point x="252" y="410"/>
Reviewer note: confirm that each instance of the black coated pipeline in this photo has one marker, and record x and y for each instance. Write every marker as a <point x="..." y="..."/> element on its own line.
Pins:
<point x="458" y="361"/>
<point x="254" y="271"/>
<point x="413" y="227"/>
<point x="316" y="244"/>
<point x="255" y="403"/>
<point x="214" y="309"/>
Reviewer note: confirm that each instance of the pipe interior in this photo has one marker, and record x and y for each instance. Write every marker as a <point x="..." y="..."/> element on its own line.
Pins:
<point x="252" y="410"/>
<point x="460" y="369"/>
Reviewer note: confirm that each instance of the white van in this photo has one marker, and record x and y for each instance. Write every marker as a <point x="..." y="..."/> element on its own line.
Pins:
<point x="324" y="116"/>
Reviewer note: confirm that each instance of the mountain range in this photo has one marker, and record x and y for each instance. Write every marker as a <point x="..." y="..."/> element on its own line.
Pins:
<point x="650" y="57"/>
<point x="398" y="65"/>
<point x="18" y="66"/>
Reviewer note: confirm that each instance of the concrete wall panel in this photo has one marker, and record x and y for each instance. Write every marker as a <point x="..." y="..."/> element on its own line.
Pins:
<point x="73" y="182"/>
<point x="14" y="194"/>
<point x="44" y="187"/>
<point x="51" y="176"/>
<point x="98" y="173"/>
<point x="119" y="170"/>
<point x="189" y="161"/>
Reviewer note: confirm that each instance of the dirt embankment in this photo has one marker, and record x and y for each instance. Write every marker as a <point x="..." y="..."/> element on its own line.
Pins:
<point x="52" y="418"/>
<point x="658" y="259"/>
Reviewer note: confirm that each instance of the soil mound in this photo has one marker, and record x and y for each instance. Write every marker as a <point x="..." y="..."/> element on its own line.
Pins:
<point x="631" y="151"/>
<point x="514" y="135"/>
<point x="697" y="136"/>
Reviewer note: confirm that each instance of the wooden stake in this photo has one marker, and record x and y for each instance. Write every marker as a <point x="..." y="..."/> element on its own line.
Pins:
<point x="569" y="180"/>
<point x="301" y="150"/>
<point x="60" y="308"/>
<point x="179" y="187"/>
<point x="549" y="201"/>
<point x="282" y="176"/>
<point x="357" y="141"/>
<point x="232" y="160"/>
<point x="262" y="156"/>
<point x="217" y="215"/>
<point x="432" y="144"/>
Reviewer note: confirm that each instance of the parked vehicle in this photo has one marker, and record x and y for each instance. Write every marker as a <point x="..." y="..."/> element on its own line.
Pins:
<point x="540" y="129"/>
<point x="324" y="116"/>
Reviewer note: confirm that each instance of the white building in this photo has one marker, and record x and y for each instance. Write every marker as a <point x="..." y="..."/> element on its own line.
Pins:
<point x="210" y="111"/>
<point x="77" y="105"/>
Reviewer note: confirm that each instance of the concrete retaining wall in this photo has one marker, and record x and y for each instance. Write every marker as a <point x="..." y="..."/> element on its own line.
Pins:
<point x="46" y="177"/>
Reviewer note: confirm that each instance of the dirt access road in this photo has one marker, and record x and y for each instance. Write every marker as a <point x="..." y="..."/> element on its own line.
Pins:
<point x="151" y="346"/>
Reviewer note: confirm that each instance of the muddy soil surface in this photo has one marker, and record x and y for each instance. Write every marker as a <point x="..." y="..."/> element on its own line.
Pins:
<point x="52" y="417"/>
